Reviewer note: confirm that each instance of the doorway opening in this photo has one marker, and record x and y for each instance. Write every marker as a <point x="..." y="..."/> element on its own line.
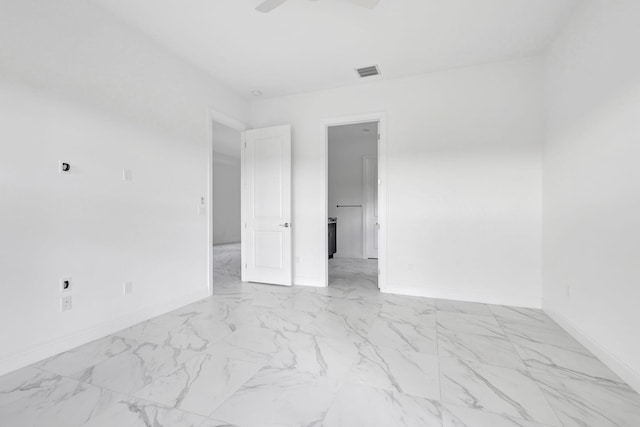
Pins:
<point x="353" y="226"/>
<point x="225" y="214"/>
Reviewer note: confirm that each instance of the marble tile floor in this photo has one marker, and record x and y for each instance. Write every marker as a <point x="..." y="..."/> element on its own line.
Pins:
<point x="347" y="356"/>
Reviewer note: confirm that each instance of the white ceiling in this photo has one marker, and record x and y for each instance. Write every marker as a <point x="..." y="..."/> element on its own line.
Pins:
<point x="309" y="45"/>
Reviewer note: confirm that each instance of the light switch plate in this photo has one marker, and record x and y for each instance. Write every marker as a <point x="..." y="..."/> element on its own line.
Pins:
<point x="127" y="175"/>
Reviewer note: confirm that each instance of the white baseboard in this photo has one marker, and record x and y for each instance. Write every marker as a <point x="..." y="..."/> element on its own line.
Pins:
<point x="232" y="242"/>
<point x="469" y="296"/>
<point x="51" y="348"/>
<point x="314" y="282"/>
<point x="624" y="371"/>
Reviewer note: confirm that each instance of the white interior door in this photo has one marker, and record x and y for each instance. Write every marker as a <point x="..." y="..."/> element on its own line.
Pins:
<point x="371" y="207"/>
<point x="266" y="206"/>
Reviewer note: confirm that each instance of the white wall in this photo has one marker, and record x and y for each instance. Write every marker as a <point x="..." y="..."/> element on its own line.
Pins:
<point x="226" y="198"/>
<point x="592" y="182"/>
<point x="346" y="183"/>
<point x="78" y="86"/>
<point x="464" y="179"/>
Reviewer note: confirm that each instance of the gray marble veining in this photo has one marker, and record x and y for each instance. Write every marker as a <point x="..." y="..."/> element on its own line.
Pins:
<point x="85" y="356"/>
<point x="522" y="332"/>
<point x="31" y="397"/>
<point x="416" y="311"/>
<point x="201" y="384"/>
<point x="136" y="368"/>
<point x="322" y="357"/>
<point x="529" y="316"/>
<point x="131" y="412"/>
<point x="388" y="368"/>
<point x="361" y="406"/>
<point x="187" y="331"/>
<point x="463" y="307"/>
<point x="459" y="416"/>
<point x="490" y="350"/>
<point x="580" y="403"/>
<point x="501" y="390"/>
<point x="346" y="355"/>
<point x="565" y="362"/>
<point x="279" y="397"/>
<point x="402" y="336"/>
<point x="470" y="324"/>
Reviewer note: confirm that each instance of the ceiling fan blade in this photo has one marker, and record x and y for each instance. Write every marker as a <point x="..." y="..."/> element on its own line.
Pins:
<point x="269" y="5"/>
<point x="369" y="4"/>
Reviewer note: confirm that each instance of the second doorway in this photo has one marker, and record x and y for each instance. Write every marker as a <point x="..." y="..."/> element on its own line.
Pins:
<point x="353" y="205"/>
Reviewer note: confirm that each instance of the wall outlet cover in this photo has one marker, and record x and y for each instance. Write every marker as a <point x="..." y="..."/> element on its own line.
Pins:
<point x="66" y="303"/>
<point x="128" y="288"/>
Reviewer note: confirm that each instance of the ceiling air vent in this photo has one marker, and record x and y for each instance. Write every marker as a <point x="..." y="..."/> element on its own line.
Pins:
<point x="368" y="71"/>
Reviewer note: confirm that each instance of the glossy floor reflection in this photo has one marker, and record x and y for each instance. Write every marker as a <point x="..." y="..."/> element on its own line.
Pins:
<point x="257" y="355"/>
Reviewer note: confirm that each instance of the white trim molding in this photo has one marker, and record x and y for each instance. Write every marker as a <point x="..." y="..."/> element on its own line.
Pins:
<point x="381" y="119"/>
<point x="48" y="349"/>
<point x="628" y="374"/>
<point x="528" y="301"/>
<point x="223" y="119"/>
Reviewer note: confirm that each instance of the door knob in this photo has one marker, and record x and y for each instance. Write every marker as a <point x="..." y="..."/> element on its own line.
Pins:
<point x="285" y="225"/>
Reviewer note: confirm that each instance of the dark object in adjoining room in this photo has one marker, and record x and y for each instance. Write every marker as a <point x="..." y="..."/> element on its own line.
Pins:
<point x="332" y="236"/>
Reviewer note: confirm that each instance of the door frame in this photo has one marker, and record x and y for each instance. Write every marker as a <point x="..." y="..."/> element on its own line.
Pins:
<point x="215" y="116"/>
<point x="364" y="205"/>
<point x="381" y="118"/>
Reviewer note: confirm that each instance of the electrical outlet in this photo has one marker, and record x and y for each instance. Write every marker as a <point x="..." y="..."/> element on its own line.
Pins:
<point x="128" y="288"/>
<point x="65" y="284"/>
<point x="568" y="290"/>
<point x="65" y="303"/>
<point x="127" y="175"/>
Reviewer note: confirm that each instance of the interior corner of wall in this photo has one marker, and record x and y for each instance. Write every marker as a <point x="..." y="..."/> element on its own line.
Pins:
<point x="44" y="350"/>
